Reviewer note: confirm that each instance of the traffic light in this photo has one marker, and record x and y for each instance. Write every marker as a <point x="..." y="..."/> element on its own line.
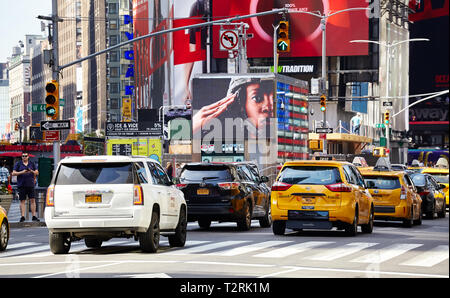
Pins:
<point x="283" y="42"/>
<point x="323" y="103"/>
<point x="386" y="117"/>
<point x="52" y="100"/>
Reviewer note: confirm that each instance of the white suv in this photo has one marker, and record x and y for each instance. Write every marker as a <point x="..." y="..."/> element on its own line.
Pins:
<point x="96" y="198"/>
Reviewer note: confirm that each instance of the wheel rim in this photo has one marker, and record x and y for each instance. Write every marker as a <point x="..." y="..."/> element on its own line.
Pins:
<point x="3" y="234"/>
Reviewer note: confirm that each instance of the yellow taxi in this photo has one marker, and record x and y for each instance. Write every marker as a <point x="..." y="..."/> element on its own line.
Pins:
<point x="321" y="194"/>
<point x="4" y="229"/>
<point x="394" y="195"/>
<point x="441" y="176"/>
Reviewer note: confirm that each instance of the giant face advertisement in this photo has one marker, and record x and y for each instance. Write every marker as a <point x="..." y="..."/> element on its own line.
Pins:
<point x="304" y="30"/>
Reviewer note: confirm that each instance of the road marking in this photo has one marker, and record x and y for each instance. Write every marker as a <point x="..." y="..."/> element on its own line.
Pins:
<point x="292" y="249"/>
<point x="340" y="252"/>
<point x="429" y="258"/>
<point x="17" y="245"/>
<point x="386" y="253"/>
<point x="203" y="248"/>
<point x="249" y="248"/>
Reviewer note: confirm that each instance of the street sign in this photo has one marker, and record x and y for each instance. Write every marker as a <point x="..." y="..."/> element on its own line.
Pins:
<point x="52" y="135"/>
<point x="40" y="107"/>
<point x="55" y="125"/>
<point x="134" y="129"/>
<point x="228" y="40"/>
<point x="387" y="104"/>
<point x="324" y="130"/>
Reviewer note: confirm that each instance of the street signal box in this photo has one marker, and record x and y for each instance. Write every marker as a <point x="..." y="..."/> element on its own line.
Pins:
<point x="386" y="117"/>
<point x="323" y="103"/>
<point x="283" y="41"/>
<point x="52" y="100"/>
<point x="316" y="145"/>
<point x="380" y="152"/>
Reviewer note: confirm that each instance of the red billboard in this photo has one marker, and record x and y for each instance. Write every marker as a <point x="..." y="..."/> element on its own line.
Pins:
<point x="305" y="30"/>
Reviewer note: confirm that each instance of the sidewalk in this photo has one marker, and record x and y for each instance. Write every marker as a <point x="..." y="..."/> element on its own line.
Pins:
<point x="14" y="217"/>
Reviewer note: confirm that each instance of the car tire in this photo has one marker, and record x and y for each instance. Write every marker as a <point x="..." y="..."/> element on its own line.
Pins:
<point x="245" y="222"/>
<point x="204" y="223"/>
<point x="430" y="214"/>
<point x="93" y="242"/>
<point x="59" y="243"/>
<point x="266" y="221"/>
<point x="149" y="240"/>
<point x="441" y="213"/>
<point x="179" y="239"/>
<point x="352" y="229"/>
<point x="419" y="220"/>
<point x="368" y="228"/>
<point x="279" y="227"/>
<point x="4" y="235"/>
<point x="408" y="222"/>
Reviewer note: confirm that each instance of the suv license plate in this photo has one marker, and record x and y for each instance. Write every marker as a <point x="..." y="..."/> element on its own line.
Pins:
<point x="93" y="198"/>
<point x="203" y="191"/>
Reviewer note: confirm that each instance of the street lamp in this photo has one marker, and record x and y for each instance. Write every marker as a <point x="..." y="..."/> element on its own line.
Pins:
<point x="323" y="21"/>
<point x="388" y="46"/>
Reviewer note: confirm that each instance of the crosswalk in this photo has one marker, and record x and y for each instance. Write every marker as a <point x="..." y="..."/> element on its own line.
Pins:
<point x="317" y="251"/>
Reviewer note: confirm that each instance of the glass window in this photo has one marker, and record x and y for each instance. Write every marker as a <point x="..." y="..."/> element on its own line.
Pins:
<point x="154" y="173"/>
<point x="164" y="179"/>
<point x="440" y="178"/>
<point x="201" y="173"/>
<point x="383" y="182"/>
<point x="141" y="173"/>
<point x="316" y="175"/>
<point x="418" y="180"/>
<point x="350" y="176"/>
<point x="91" y="173"/>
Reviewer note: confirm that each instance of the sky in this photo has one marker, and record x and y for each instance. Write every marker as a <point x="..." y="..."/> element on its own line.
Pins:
<point x="18" y="18"/>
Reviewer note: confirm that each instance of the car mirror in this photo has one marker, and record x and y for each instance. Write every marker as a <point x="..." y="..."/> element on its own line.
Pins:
<point x="264" y="179"/>
<point x="442" y="186"/>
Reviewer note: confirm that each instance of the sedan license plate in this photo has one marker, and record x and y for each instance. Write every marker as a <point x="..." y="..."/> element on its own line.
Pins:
<point x="93" y="198"/>
<point x="308" y="200"/>
<point x="203" y="191"/>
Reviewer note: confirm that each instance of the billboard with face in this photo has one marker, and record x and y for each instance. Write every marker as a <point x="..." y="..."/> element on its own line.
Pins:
<point x="305" y="30"/>
<point x="236" y="107"/>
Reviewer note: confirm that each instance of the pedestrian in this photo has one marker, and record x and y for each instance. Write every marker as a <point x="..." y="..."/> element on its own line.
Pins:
<point x="169" y="170"/>
<point x="26" y="173"/>
<point x="4" y="174"/>
<point x="178" y="169"/>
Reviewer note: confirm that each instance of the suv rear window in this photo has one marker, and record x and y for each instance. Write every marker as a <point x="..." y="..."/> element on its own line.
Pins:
<point x="100" y="173"/>
<point x="383" y="182"/>
<point x="209" y="172"/>
<point x="318" y="175"/>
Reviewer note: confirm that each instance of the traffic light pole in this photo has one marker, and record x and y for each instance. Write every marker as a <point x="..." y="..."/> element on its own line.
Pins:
<point x="323" y="23"/>
<point x="55" y="73"/>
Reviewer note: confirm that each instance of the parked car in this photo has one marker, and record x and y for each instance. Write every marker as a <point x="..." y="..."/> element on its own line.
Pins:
<point x="314" y="194"/>
<point x="395" y="196"/>
<point x="225" y="192"/>
<point x="96" y="198"/>
<point x="4" y="229"/>
<point x="433" y="198"/>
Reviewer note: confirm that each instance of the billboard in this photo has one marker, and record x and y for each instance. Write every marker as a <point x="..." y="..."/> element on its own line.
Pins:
<point x="305" y="30"/>
<point x="234" y="107"/>
<point x="144" y="147"/>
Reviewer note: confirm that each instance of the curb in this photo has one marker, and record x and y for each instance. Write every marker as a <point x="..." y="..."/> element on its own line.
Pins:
<point x="30" y="224"/>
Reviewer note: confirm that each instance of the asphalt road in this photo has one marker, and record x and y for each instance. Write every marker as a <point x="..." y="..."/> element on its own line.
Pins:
<point x="391" y="251"/>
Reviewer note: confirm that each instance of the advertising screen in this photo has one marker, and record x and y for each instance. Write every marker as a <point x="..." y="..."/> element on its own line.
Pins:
<point x="233" y="108"/>
<point x="304" y="30"/>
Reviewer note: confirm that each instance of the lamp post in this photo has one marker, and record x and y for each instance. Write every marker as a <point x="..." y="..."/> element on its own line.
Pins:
<point x="323" y="24"/>
<point x="389" y="46"/>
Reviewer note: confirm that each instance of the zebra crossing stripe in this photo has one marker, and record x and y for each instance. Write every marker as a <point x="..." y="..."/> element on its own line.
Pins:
<point x="340" y="252"/>
<point x="429" y="258"/>
<point x="386" y="253"/>
<point x="292" y="249"/>
<point x="203" y="248"/>
<point x="249" y="248"/>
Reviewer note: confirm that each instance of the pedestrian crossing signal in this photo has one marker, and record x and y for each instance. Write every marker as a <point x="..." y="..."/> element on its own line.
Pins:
<point x="52" y="100"/>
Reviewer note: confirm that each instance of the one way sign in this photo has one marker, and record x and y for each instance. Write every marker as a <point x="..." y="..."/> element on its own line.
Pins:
<point x="55" y="125"/>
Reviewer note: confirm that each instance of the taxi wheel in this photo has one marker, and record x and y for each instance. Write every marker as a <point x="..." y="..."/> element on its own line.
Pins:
<point x="245" y="223"/>
<point x="368" y="228"/>
<point x="352" y="229"/>
<point x="441" y="213"/>
<point x="59" y="243"/>
<point x="266" y="221"/>
<point x="179" y="239"/>
<point x="278" y="227"/>
<point x="419" y="220"/>
<point x="4" y="232"/>
<point x="408" y="222"/>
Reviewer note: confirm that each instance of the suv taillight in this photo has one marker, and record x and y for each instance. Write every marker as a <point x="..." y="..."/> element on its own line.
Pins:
<point x="339" y="187"/>
<point x="138" y="195"/>
<point x="280" y="186"/>
<point x="50" y="197"/>
<point x="228" y="185"/>
<point x="181" y="185"/>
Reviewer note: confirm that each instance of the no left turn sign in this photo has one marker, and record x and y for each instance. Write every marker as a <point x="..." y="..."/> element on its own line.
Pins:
<point x="228" y="40"/>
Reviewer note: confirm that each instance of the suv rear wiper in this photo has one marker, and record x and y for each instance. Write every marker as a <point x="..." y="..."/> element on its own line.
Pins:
<point x="209" y="178"/>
